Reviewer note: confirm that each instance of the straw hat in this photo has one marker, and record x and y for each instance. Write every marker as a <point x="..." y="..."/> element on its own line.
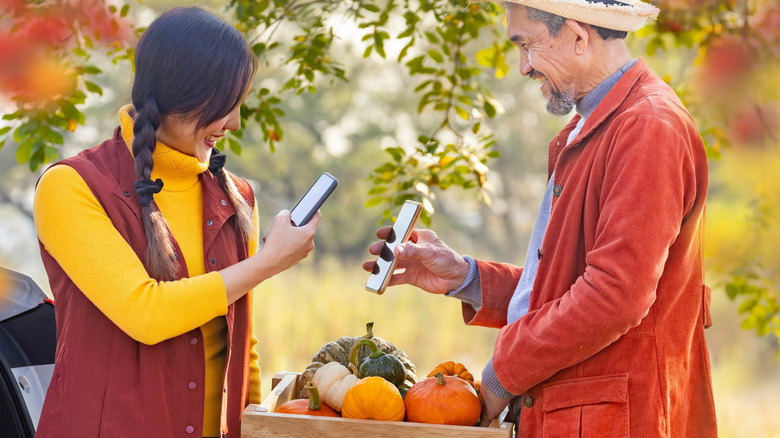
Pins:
<point x="622" y="15"/>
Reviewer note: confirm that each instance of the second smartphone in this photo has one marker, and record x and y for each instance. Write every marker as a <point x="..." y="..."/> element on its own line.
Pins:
<point x="385" y="264"/>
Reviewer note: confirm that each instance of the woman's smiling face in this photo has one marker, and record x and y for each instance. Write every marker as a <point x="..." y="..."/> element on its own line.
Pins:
<point x="181" y="133"/>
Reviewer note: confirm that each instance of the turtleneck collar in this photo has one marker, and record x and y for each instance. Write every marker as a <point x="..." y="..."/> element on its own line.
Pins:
<point x="178" y="171"/>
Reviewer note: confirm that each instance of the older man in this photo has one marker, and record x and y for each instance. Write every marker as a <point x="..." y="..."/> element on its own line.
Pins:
<point x="602" y="331"/>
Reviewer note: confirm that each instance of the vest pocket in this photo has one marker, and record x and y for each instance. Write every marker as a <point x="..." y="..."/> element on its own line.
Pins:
<point x="586" y="407"/>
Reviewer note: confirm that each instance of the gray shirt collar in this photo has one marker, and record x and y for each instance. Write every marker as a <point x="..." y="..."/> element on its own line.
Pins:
<point x="587" y="104"/>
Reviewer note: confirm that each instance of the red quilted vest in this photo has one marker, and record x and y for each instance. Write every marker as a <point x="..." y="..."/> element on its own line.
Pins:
<point x="107" y="384"/>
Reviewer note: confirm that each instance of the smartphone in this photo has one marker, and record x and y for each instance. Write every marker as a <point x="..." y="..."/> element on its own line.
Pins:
<point x="303" y="211"/>
<point x="385" y="263"/>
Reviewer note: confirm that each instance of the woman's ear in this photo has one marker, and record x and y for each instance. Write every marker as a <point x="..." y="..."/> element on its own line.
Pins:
<point x="583" y="37"/>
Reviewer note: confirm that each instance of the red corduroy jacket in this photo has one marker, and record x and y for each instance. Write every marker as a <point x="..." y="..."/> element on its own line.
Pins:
<point x="105" y="384"/>
<point x="613" y="344"/>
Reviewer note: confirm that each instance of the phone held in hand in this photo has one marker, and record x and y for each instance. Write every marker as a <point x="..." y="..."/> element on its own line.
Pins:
<point x="303" y="211"/>
<point x="385" y="263"/>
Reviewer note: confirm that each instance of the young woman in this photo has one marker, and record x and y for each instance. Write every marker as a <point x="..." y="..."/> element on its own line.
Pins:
<point x="151" y="248"/>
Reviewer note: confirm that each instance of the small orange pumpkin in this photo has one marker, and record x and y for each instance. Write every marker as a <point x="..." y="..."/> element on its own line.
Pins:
<point x="443" y="400"/>
<point x="312" y="406"/>
<point x="451" y="368"/>
<point x="373" y="398"/>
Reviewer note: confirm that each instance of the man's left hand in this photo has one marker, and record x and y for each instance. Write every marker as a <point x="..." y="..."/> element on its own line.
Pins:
<point x="492" y="405"/>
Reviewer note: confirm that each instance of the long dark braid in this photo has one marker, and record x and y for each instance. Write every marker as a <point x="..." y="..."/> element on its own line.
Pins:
<point x="160" y="254"/>
<point x="244" y="211"/>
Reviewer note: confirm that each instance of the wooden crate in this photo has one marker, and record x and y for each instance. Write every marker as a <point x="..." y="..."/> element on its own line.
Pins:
<point x="261" y="421"/>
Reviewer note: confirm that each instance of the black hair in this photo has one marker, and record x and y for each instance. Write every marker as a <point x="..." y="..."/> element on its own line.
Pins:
<point x="192" y="64"/>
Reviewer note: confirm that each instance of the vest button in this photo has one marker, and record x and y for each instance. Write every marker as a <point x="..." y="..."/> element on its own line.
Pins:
<point x="557" y="189"/>
<point x="192" y="385"/>
<point x="223" y="202"/>
<point x="209" y="222"/>
<point x="193" y="340"/>
<point x="528" y="401"/>
<point x="213" y="261"/>
<point x="189" y="429"/>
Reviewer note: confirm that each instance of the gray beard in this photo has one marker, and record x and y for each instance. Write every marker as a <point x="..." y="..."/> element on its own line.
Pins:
<point x="560" y="103"/>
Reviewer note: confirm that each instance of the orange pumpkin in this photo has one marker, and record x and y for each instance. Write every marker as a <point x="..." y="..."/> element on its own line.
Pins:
<point x="373" y="398"/>
<point x="443" y="400"/>
<point x="312" y="406"/>
<point x="451" y="368"/>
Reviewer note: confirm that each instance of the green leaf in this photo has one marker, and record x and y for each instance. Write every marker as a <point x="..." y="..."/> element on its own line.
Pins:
<point x="90" y="70"/>
<point x="123" y="12"/>
<point x="24" y="151"/>
<point x="93" y="88"/>
<point x="462" y="112"/>
<point x="377" y="190"/>
<point x="436" y="56"/>
<point x="373" y="202"/>
<point x="78" y="51"/>
<point x="234" y="145"/>
<point x="490" y="110"/>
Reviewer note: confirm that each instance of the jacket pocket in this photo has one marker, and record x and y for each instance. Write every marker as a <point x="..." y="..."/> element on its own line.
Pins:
<point x="586" y="407"/>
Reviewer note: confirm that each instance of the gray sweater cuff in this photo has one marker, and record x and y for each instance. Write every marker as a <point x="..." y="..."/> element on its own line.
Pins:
<point x="490" y="380"/>
<point x="469" y="291"/>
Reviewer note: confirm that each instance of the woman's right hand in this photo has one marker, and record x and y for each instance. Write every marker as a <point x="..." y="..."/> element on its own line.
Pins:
<point x="287" y="244"/>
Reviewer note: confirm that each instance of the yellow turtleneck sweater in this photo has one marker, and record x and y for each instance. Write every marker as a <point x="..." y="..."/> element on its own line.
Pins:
<point x="116" y="281"/>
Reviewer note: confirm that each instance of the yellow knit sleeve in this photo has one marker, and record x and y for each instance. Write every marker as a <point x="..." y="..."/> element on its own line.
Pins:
<point x="77" y="232"/>
<point x="255" y="392"/>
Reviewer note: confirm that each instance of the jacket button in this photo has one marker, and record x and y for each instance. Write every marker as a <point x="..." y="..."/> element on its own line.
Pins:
<point x="189" y="429"/>
<point x="223" y="202"/>
<point x="528" y="401"/>
<point x="192" y="385"/>
<point x="176" y="255"/>
<point x="557" y="189"/>
<point x="209" y="222"/>
<point x="213" y="261"/>
<point x="538" y="253"/>
<point x="193" y="340"/>
<point x="127" y="194"/>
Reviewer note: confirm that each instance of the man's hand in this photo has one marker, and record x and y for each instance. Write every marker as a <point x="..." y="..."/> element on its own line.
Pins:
<point x="492" y="405"/>
<point x="429" y="264"/>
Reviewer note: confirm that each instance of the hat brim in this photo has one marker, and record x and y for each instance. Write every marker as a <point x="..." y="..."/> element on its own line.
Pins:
<point x="627" y="17"/>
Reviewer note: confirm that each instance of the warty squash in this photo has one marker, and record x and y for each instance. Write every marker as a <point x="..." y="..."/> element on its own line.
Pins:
<point x="340" y="351"/>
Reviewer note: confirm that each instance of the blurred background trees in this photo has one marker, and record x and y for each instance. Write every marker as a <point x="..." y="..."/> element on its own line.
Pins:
<point x="404" y="99"/>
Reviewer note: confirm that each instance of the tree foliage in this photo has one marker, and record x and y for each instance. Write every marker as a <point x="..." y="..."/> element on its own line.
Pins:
<point x="447" y="48"/>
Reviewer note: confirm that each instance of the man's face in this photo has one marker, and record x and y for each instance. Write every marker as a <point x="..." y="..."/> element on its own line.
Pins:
<point x="544" y="58"/>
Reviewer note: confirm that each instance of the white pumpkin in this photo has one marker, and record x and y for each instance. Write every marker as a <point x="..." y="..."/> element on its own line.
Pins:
<point x="333" y="380"/>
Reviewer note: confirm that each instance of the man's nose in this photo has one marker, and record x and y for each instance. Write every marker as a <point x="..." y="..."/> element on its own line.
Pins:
<point x="525" y="65"/>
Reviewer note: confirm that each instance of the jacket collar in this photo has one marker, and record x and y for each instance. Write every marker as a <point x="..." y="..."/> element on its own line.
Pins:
<point x="611" y="102"/>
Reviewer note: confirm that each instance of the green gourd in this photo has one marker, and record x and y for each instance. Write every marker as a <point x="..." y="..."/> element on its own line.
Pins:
<point x="380" y="364"/>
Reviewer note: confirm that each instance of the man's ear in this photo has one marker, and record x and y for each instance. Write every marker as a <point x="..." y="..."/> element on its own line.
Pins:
<point x="583" y="37"/>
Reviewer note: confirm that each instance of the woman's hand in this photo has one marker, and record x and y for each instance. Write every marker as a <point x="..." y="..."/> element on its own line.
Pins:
<point x="428" y="262"/>
<point x="287" y="244"/>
